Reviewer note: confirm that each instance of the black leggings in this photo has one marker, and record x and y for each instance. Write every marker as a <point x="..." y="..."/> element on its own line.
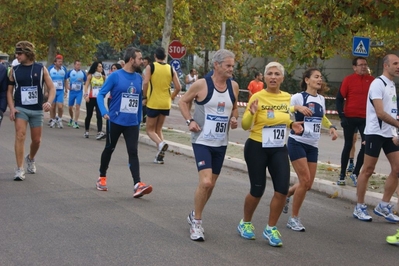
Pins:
<point x="89" y="114"/>
<point x="275" y="159"/>
<point x="131" y="135"/>
<point x="349" y="125"/>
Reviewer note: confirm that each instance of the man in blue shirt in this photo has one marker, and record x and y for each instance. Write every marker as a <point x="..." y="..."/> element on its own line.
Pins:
<point x="58" y="75"/>
<point x="123" y="117"/>
<point x="77" y="79"/>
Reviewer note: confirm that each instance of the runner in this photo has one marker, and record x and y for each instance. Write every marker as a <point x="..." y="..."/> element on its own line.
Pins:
<point x="95" y="80"/>
<point x="26" y="104"/>
<point x="215" y="110"/>
<point x="158" y="99"/>
<point x="309" y="106"/>
<point x="58" y="75"/>
<point x="77" y="79"/>
<point x="3" y="91"/>
<point x="123" y="117"/>
<point x="267" y="116"/>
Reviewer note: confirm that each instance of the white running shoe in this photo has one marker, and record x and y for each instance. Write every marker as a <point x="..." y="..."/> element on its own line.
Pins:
<point x="59" y="123"/>
<point x="386" y="212"/>
<point x="100" y="135"/>
<point x="19" y="174"/>
<point x="295" y="224"/>
<point x="196" y="231"/>
<point x="31" y="165"/>
<point x="362" y="214"/>
<point x="52" y="123"/>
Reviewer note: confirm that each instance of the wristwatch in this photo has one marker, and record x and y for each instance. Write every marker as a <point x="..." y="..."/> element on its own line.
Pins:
<point x="188" y="122"/>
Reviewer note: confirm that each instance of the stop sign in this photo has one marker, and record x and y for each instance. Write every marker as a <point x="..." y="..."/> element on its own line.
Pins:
<point x="176" y="49"/>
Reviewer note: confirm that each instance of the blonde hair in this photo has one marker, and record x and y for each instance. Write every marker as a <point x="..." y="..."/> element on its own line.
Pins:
<point x="274" y="64"/>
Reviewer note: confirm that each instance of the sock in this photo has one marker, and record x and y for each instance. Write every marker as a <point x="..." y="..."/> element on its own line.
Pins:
<point x="351" y="160"/>
<point x="384" y="204"/>
<point x="269" y="227"/>
<point x="197" y="221"/>
<point x="359" y="205"/>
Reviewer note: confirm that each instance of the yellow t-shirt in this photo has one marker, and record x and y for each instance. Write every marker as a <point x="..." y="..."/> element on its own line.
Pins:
<point x="158" y="93"/>
<point x="273" y="109"/>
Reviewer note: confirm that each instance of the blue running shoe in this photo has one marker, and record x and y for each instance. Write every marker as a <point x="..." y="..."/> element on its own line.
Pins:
<point x="353" y="177"/>
<point x="273" y="235"/>
<point x="246" y="230"/>
<point x="350" y="167"/>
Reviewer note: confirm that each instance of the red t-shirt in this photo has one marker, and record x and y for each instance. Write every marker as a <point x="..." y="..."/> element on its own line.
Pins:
<point x="355" y="89"/>
<point x="255" y="86"/>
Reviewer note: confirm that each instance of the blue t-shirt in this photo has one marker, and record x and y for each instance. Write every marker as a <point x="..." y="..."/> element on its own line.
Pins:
<point x="76" y="79"/>
<point x="126" y="92"/>
<point x="58" y="76"/>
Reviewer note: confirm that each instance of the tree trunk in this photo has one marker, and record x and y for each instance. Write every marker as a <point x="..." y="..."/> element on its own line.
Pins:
<point x="167" y="27"/>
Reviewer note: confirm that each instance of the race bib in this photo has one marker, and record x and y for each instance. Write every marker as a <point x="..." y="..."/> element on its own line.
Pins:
<point x="312" y="127"/>
<point x="29" y="95"/>
<point x="129" y="103"/>
<point x="274" y="136"/>
<point x="215" y="127"/>
<point x="94" y="91"/>
<point x="76" y="86"/>
<point x="58" y="84"/>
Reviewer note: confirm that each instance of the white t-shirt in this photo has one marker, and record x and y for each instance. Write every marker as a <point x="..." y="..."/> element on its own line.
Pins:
<point x="15" y="62"/>
<point x="191" y="79"/>
<point x="387" y="94"/>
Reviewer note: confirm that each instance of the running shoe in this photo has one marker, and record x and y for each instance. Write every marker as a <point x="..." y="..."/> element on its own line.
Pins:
<point x="362" y="214"/>
<point x="75" y="125"/>
<point x="52" y="123"/>
<point x="386" y="212"/>
<point x="31" y="165"/>
<point x="350" y="167"/>
<point x="287" y="205"/>
<point x="70" y="123"/>
<point x="86" y="135"/>
<point x="393" y="240"/>
<point x="158" y="162"/>
<point x="19" y="174"/>
<point x="49" y="122"/>
<point x="197" y="232"/>
<point x="101" y="183"/>
<point x="100" y="135"/>
<point x="273" y="235"/>
<point x="341" y="181"/>
<point x="190" y="219"/>
<point x="140" y="189"/>
<point x="295" y="224"/>
<point x="59" y="123"/>
<point x="161" y="151"/>
<point x="353" y="177"/>
<point x="246" y="230"/>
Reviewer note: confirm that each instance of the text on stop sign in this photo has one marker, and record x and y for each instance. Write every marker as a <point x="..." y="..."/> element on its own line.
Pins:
<point x="177" y="49"/>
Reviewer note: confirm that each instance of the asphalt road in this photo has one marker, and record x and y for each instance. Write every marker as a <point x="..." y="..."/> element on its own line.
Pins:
<point x="57" y="217"/>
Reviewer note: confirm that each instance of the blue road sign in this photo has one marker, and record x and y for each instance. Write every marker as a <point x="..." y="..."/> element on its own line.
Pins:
<point x="176" y="64"/>
<point x="361" y="46"/>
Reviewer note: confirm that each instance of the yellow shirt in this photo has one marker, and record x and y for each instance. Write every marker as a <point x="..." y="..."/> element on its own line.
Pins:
<point x="158" y="93"/>
<point x="273" y="109"/>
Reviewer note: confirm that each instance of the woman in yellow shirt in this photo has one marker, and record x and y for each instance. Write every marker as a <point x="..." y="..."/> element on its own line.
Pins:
<point x="267" y="116"/>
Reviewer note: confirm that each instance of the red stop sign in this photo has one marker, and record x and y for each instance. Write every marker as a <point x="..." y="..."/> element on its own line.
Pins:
<point x="176" y="50"/>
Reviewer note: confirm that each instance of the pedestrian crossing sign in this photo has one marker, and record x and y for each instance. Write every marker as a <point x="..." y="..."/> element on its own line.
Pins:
<point x="361" y="46"/>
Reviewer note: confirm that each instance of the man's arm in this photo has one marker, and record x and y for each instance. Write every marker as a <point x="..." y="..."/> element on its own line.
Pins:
<point x="147" y="78"/>
<point x="234" y="112"/>
<point x="381" y="114"/>
<point x="339" y="102"/>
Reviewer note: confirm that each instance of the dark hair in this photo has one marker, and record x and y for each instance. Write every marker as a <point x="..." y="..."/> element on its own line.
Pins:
<point x="94" y="66"/>
<point x="257" y="74"/>
<point x="76" y="61"/>
<point x="354" y="61"/>
<point x="130" y="53"/>
<point x="147" y="58"/>
<point x="118" y="66"/>
<point x="160" y="53"/>
<point x="305" y="75"/>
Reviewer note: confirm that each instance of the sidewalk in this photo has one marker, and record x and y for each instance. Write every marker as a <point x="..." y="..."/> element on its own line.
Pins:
<point x="324" y="186"/>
